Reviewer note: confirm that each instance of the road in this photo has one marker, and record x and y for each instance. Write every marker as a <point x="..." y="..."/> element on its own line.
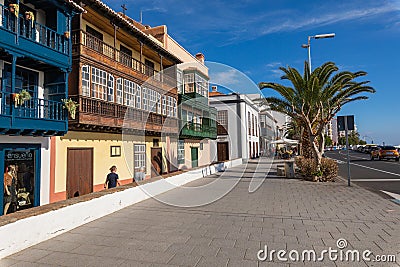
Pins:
<point x="374" y="175"/>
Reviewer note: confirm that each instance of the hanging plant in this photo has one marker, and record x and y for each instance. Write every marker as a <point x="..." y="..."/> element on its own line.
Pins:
<point x="30" y="16"/>
<point x="71" y="106"/>
<point x="66" y="34"/>
<point x="21" y="97"/>
<point x="14" y="8"/>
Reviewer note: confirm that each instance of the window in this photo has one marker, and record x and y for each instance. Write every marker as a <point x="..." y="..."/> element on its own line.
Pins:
<point x="181" y="151"/>
<point x="179" y="81"/>
<point x="152" y="99"/>
<point x="94" y="39"/>
<point x="85" y="81"/>
<point x="149" y="67"/>
<point x="125" y="56"/>
<point x="252" y="123"/>
<point x="138" y="97"/>
<point x="144" y="94"/>
<point x="249" y="122"/>
<point x="175" y="108"/>
<point x="189" y="83"/>
<point x="156" y="142"/>
<point x="110" y="95"/>
<point x="99" y="83"/>
<point x="158" y="103"/>
<point x="129" y="93"/>
<point x="164" y="105"/>
<point x="222" y="122"/>
<point x="120" y="91"/>
<point x="139" y="151"/>
<point x="115" y="151"/>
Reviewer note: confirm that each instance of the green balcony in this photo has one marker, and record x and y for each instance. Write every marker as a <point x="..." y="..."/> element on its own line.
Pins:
<point x="192" y="130"/>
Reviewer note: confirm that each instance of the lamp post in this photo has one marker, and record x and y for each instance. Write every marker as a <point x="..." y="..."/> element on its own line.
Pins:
<point x="308" y="45"/>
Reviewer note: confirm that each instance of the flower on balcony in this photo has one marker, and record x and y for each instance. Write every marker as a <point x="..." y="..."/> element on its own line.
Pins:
<point x="30" y="16"/>
<point x="14" y="8"/>
<point x="71" y="106"/>
<point x="21" y="97"/>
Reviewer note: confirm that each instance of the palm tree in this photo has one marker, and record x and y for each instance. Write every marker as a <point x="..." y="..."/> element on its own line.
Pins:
<point x="315" y="98"/>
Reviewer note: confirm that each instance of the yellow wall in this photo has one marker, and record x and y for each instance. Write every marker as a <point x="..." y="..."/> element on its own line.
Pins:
<point x="102" y="161"/>
<point x="203" y="155"/>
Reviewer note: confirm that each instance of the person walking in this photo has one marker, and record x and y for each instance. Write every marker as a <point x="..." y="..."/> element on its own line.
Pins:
<point x="112" y="178"/>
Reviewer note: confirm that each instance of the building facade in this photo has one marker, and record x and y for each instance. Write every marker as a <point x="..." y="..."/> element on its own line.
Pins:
<point x="126" y="104"/>
<point x="35" y="59"/>
<point x="197" y="119"/>
<point x="238" y="127"/>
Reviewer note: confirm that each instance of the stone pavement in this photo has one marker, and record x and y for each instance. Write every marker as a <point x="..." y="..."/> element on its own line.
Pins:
<point x="284" y="214"/>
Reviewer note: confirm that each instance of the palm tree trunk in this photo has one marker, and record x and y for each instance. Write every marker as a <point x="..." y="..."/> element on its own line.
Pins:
<point x="306" y="145"/>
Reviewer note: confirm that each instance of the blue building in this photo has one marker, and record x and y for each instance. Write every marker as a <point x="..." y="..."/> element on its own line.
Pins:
<point x="35" y="59"/>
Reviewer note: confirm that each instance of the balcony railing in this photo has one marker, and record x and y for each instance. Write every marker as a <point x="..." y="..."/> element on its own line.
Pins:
<point x="197" y="130"/>
<point x="33" y="31"/>
<point x="35" y="108"/>
<point x="104" y="109"/>
<point x="80" y="37"/>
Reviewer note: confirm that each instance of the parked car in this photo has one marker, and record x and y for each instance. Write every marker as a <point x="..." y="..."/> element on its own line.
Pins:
<point x="368" y="148"/>
<point x="384" y="152"/>
<point x="360" y="148"/>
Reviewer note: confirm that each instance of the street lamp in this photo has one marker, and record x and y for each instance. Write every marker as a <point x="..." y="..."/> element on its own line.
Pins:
<point x="308" y="45"/>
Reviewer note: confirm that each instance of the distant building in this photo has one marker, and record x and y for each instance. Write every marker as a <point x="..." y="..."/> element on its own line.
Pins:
<point x="238" y="127"/>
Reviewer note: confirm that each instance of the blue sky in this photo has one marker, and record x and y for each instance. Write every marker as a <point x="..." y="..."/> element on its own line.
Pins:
<point x="256" y="37"/>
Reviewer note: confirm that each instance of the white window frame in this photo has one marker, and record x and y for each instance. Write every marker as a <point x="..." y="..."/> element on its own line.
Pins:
<point x="139" y="157"/>
<point x="164" y="105"/>
<point x="129" y="93"/>
<point x="110" y="87"/>
<point x="144" y="96"/>
<point x="120" y="91"/>
<point x="158" y="103"/>
<point x="181" y="152"/>
<point x="99" y="83"/>
<point x="138" y="97"/>
<point x="86" y="80"/>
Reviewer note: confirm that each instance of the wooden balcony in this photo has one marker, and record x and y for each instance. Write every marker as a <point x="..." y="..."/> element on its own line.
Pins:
<point x="84" y="44"/>
<point x="102" y="116"/>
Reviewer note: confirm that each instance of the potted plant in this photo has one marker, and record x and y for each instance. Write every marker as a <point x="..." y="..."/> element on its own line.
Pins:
<point x="21" y="97"/>
<point x="14" y="8"/>
<point x="66" y="34"/>
<point x="71" y="106"/>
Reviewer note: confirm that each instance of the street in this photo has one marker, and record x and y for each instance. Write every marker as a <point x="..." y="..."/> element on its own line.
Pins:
<point x="373" y="175"/>
<point x="283" y="214"/>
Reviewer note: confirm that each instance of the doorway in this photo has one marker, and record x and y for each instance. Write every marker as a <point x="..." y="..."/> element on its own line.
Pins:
<point x="79" y="171"/>
<point x="21" y="184"/>
<point x="156" y="161"/>
<point x="194" y="151"/>
<point x="223" y="151"/>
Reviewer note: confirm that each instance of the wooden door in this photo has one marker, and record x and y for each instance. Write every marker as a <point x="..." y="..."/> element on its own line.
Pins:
<point x="156" y="162"/>
<point x="195" y="156"/>
<point x="223" y="151"/>
<point x="79" y="171"/>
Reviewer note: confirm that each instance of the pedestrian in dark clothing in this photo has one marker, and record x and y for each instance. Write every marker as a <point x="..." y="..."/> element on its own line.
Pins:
<point x="112" y="178"/>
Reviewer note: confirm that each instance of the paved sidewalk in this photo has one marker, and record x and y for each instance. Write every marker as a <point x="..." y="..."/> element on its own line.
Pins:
<point x="283" y="214"/>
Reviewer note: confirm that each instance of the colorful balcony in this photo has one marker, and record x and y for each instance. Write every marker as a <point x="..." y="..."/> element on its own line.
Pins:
<point x="192" y="130"/>
<point x="21" y="36"/>
<point x="36" y="116"/>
